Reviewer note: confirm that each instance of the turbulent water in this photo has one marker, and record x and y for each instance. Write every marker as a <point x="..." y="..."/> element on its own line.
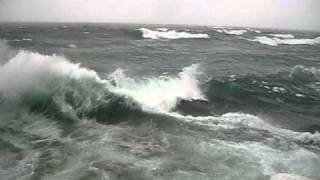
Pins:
<point x="110" y="101"/>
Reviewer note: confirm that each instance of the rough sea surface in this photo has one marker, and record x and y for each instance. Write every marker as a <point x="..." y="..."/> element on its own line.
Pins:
<point x="142" y="102"/>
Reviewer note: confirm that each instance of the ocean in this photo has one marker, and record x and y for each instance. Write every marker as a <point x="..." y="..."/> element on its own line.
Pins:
<point x="162" y="102"/>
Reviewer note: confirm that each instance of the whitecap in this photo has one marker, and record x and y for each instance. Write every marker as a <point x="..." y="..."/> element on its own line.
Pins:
<point x="72" y="46"/>
<point x="171" y="34"/>
<point x="232" y="32"/>
<point x="162" y="29"/>
<point x="277" y="41"/>
<point x="300" y="95"/>
<point x="279" y="89"/>
<point x="159" y="94"/>
<point x="23" y="39"/>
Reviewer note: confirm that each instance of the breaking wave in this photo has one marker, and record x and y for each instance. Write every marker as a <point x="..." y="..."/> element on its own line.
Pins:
<point x="287" y="41"/>
<point x="170" y="34"/>
<point x="55" y="86"/>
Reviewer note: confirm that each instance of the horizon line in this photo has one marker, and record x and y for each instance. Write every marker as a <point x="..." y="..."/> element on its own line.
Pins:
<point x="161" y="24"/>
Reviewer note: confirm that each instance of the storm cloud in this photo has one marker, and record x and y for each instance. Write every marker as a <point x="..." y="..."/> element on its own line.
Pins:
<point x="291" y="14"/>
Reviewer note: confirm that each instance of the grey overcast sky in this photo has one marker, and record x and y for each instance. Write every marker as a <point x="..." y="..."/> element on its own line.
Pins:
<point x="291" y="14"/>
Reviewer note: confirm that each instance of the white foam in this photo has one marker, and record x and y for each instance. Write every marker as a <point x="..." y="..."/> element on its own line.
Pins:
<point x="276" y="41"/>
<point x="159" y="94"/>
<point x="172" y="34"/>
<point x="232" y="32"/>
<point x="238" y="120"/>
<point x="272" y="160"/>
<point x="285" y="36"/>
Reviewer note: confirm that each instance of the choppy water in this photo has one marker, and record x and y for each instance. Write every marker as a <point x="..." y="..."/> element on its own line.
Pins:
<point x="107" y="101"/>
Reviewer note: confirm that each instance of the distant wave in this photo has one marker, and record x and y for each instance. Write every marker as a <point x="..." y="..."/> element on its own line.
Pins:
<point x="277" y="41"/>
<point x="170" y="34"/>
<point x="254" y="30"/>
<point x="232" y="32"/>
<point x="72" y="45"/>
<point x="162" y="29"/>
<point x="23" y="39"/>
<point x="286" y="36"/>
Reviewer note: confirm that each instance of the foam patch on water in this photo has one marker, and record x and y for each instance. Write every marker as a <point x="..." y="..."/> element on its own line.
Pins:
<point x="232" y="32"/>
<point x="277" y="41"/>
<point x="238" y="120"/>
<point x="268" y="160"/>
<point x="171" y="34"/>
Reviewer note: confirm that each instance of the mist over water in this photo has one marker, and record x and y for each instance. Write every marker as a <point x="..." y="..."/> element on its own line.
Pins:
<point x="94" y="101"/>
